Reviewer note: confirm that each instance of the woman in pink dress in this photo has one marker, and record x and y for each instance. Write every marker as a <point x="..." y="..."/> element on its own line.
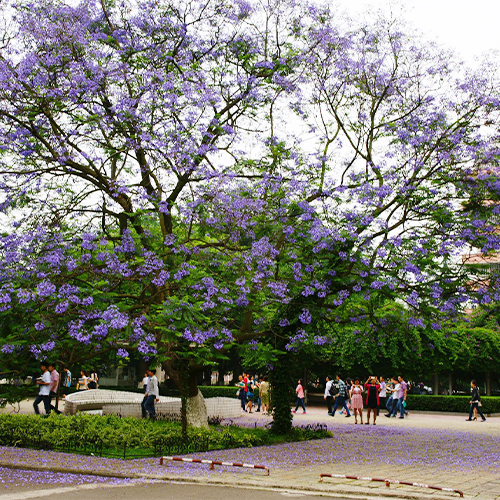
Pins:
<point x="357" y="400"/>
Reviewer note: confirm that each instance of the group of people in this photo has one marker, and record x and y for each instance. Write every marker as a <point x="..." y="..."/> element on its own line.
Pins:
<point x="86" y="382"/>
<point x="49" y="382"/>
<point x="247" y="386"/>
<point x="372" y="395"/>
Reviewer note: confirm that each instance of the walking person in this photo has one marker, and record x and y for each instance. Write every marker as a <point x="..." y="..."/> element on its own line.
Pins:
<point x="264" y="395"/>
<point x="82" y="381"/>
<point x="250" y="393"/>
<point x="44" y="392"/>
<point x="357" y="401"/>
<point x="152" y="394"/>
<point x="396" y="387"/>
<point x="388" y="403"/>
<point x="93" y="382"/>
<point x="403" y="391"/>
<point x="66" y="381"/>
<point x="475" y="402"/>
<point x="372" y="398"/>
<point x="145" y="382"/>
<point x="54" y="386"/>
<point x="246" y="381"/>
<point x="329" y="394"/>
<point x="382" y="394"/>
<point x="259" y="400"/>
<point x="348" y="383"/>
<point x="341" y="397"/>
<point x="241" y="392"/>
<point x="300" y="396"/>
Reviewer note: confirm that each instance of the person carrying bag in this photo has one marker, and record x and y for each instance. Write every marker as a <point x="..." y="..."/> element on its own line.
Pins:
<point x="475" y="402"/>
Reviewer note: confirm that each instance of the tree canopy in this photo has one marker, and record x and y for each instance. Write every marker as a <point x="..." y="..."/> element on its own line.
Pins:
<point x="178" y="177"/>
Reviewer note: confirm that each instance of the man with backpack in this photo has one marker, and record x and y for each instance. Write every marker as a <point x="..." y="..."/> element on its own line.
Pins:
<point x="330" y="393"/>
<point x="341" y="397"/>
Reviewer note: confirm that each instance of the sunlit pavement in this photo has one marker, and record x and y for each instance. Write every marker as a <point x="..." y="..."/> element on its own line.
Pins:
<point x="437" y="449"/>
<point x="455" y="421"/>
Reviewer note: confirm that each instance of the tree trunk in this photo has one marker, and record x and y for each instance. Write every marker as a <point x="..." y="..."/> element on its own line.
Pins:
<point x="193" y="408"/>
<point x="281" y="393"/>
<point x="488" y="383"/>
<point x="436" y="384"/>
<point x="196" y="411"/>
<point x="450" y="384"/>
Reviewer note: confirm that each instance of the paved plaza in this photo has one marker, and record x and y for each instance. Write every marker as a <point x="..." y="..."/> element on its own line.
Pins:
<point x="436" y="449"/>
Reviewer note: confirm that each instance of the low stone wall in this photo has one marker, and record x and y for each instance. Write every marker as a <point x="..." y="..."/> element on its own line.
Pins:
<point x="128" y="404"/>
<point x="95" y="399"/>
<point x="216" y="407"/>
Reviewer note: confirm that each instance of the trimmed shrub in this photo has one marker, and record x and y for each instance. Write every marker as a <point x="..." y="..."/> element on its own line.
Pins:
<point x="121" y="388"/>
<point x="456" y="404"/>
<point x="112" y="436"/>
<point x="220" y="391"/>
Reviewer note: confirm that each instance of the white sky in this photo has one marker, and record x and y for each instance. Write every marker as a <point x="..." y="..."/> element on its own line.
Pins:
<point x="469" y="28"/>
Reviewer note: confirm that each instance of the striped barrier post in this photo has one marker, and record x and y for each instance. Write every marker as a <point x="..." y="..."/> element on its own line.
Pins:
<point x="388" y="482"/>
<point x="214" y="462"/>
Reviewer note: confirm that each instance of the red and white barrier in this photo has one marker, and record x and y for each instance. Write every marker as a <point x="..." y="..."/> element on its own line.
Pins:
<point x="388" y="482"/>
<point x="214" y="462"/>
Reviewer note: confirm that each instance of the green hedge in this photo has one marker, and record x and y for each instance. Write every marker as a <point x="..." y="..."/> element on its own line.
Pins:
<point x="456" y="404"/>
<point x="221" y="391"/>
<point x="121" y="388"/>
<point x="130" y="437"/>
<point x="113" y="431"/>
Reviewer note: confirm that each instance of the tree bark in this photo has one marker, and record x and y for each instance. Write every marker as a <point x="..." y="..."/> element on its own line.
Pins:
<point x="196" y="411"/>
<point x="193" y="408"/>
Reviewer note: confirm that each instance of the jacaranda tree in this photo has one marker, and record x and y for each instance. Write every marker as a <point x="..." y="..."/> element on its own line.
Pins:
<point x="180" y="176"/>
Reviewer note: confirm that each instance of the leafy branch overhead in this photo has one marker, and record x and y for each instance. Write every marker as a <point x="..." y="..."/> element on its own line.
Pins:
<point x="179" y="177"/>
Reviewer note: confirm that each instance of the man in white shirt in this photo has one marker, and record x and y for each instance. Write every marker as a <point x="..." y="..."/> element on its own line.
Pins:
<point x="329" y="392"/>
<point x="44" y="393"/>
<point x="152" y="394"/>
<point x="395" y="395"/>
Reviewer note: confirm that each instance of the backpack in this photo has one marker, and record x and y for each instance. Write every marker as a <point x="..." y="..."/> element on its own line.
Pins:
<point x="333" y="390"/>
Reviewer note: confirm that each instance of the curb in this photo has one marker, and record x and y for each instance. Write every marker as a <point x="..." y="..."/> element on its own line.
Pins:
<point x="352" y="492"/>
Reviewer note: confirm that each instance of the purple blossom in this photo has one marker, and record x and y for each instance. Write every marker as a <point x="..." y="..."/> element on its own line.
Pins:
<point x="45" y="289"/>
<point x="305" y="317"/>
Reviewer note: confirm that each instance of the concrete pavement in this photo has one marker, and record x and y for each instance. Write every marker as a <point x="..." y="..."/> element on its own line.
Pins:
<point x="437" y="449"/>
